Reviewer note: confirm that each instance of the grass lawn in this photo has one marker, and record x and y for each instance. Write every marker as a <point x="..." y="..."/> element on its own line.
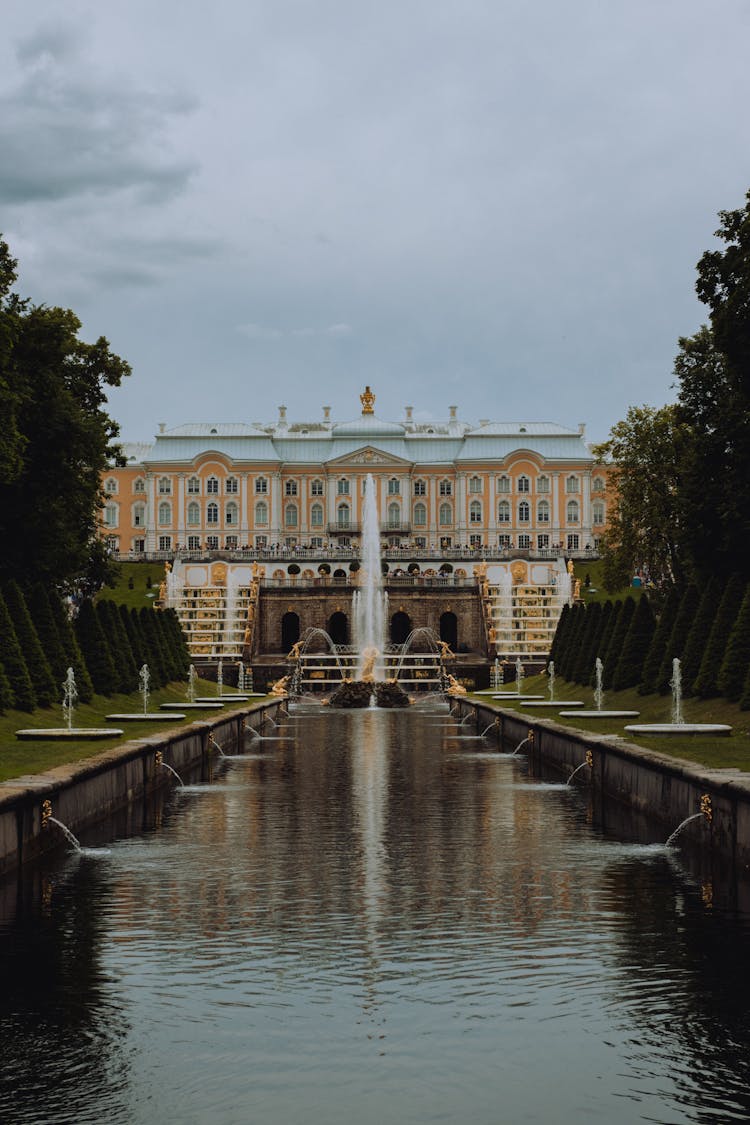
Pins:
<point x="717" y="753"/>
<point x="139" y="574"/>
<point x="595" y="592"/>
<point x="18" y="758"/>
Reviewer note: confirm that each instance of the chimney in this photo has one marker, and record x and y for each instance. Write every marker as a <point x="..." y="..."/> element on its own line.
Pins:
<point x="409" y="411"/>
<point x="326" y="414"/>
<point x="162" y="427"/>
<point x="282" y="415"/>
<point x="581" y="428"/>
<point x="453" y="410"/>
<point x="484" y="421"/>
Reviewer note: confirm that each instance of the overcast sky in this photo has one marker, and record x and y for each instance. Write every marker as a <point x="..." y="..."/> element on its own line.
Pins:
<point x="494" y="203"/>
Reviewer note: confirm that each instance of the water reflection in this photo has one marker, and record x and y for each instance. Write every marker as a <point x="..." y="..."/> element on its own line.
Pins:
<point x="371" y="916"/>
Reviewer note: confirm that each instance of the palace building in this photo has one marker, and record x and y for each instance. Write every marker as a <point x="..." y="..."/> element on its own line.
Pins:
<point x="494" y="487"/>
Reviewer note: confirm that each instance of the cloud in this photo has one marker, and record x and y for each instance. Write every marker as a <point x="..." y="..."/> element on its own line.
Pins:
<point x="266" y="332"/>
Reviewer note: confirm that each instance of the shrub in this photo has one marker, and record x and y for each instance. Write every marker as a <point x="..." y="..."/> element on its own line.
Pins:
<point x="33" y="653"/>
<point x="13" y="663"/>
<point x="706" y="682"/>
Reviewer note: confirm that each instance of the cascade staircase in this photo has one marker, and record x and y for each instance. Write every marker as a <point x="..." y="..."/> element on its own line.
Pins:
<point x="523" y="620"/>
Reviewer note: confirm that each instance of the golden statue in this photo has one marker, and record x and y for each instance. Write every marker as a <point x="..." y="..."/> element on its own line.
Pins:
<point x="295" y="651"/>
<point x="445" y="651"/>
<point x="454" y="687"/>
<point x="571" y="568"/>
<point x="369" y="656"/>
<point x="167" y="568"/>
<point x="367" y="398"/>
<point x="577" y="588"/>
<point x="279" y="688"/>
<point x="480" y="570"/>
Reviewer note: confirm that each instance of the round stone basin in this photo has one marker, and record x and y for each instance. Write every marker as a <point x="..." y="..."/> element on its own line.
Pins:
<point x="151" y="717"/>
<point x="558" y="704"/>
<point x="602" y="714"/>
<point x="61" y="733"/>
<point x="214" y="705"/>
<point x="215" y="699"/>
<point x="516" y="697"/>
<point x="720" y="730"/>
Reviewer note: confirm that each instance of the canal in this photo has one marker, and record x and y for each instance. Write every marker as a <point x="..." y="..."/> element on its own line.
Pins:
<point x="366" y="916"/>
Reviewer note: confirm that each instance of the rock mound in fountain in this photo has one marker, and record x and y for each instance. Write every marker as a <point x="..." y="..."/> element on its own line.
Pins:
<point x="359" y="693"/>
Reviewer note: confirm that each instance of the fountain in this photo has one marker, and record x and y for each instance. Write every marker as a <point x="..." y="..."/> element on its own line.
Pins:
<point x="529" y="739"/>
<point x="551" y="684"/>
<point x="587" y="761"/>
<point x="192" y="703"/>
<point x="599" y="712"/>
<point x="69" y="700"/>
<point x="706" y="812"/>
<point x="517" y="695"/>
<point x="48" y="818"/>
<point x="221" y="696"/>
<point x="160" y="763"/>
<point x="678" y="726"/>
<point x="144" y="680"/>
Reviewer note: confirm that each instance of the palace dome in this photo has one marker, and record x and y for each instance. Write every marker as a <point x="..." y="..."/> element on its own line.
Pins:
<point x="368" y="426"/>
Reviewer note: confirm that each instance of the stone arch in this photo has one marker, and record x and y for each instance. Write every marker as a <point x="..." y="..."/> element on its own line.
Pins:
<point x="400" y="627"/>
<point x="338" y="628"/>
<point x="289" y="630"/>
<point x="449" y="629"/>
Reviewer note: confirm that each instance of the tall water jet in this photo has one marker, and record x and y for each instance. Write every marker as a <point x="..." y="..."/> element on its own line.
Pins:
<point x="369" y="609"/>
<point x="551" y="684"/>
<point x="70" y="698"/>
<point x="676" y="685"/>
<point x="519" y="675"/>
<point x="144" y="678"/>
<point x="598" y="690"/>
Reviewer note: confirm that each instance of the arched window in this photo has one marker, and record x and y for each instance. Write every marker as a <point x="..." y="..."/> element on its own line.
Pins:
<point x="139" y="485"/>
<point x="231" y="486"/>
<point x="212" y="512"/>
<point x="475" y="512"/>
<point x="261" y="486"/>
<point x="212" y="486"/>
<point x="446" y="488"/>
<point x="290" y="515"/>
<point x="503" y="512"/>
<point x="289" y="630"/>
<point x="446" y="515"/>
<point x="316" y="488"/>
<point x="523" y="512"/>
<point x="194" y="486"/>
<point x="598" y="484"/>
<point x="342" y="487"/>
<point x="475" y="484"/>
<point x="542" y="511"/>
<point x="524" y="484"/>
<point x="394" y="486"/>
<point x="193" y="514"/>
<point x="597" y="510"/>
<point x="503" y="484"/>
<point x="165" y="486"/>
<point x="572" y="511"/>
<point x="261" y="513"/>
<point x="400" y="628"/>
<point x="232" y="515"/>
<point x="542" y="484"/>
<point x="139" y="515"/>
<point x="316" y="515"/>
<point x="338" y="628"/>
<point x="394" y="515"/>
<point x="420" y="515"/>
<point x="449" y="629"/>
<point x="572" y="484"/>
<point x="110" y="486"/>
<point x="165" y="514"/>
<point x="342" y="515"/>
<point x="111" y="514"/>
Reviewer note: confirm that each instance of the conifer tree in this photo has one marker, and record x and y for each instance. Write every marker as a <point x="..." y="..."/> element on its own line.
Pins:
<point x="734" y="666"/>
<point x="156" y="660"/>
<point x="73" y="656"/>
<point x="129" y="618"/>
<point x="588" y="643"/>
<point x="49" y="637"/>
<point x="581" y="638"/>
<point x="166" y="637"/>
<point x="607" y="634"/>
<point x="95" y="649"/>
<point x="13" y="663"/>
<point x="629" y="668"/>
<point x="119" y="645"/>
<point x="617" y="640"/>
<point x="6" y="692"/>
<point x="571" y="641"/>
<point x="599" y="646"/>
<point x="745" y="697"/>
<point x="558" y="639"/>
<point x="34" y="655"/>
<point x="700" y="629"/>
<point x="705" y="684"/>
<point x="655" y="655"/>
<point x="179" y="643"/>
<point x="675" y="646"/>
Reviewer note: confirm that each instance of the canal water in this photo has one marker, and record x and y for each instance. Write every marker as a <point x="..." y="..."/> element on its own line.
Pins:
<point x="373" y="916"/>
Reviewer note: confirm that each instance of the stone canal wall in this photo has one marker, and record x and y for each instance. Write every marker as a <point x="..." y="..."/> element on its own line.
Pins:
<point x="668" y="789"/>
<point x="84" y="793"/>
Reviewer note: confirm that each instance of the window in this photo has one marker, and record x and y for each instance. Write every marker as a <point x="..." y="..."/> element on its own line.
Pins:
<point x="290" y="488"/>
<point x="193" y="514"/>
<point x="212" y="542"/>
<point x="573" y="542"/>
<point x="212" y="486"/>
<point x="231" y="486"/>
<point x="110" y="515"/>
<point x="342" y="487"/>
<point x="524" y="542"/>
<point x="394" y="487"/>
<point x="421" y="543"/>
<point x="503" y="484"/>
<point x="420" y="488"/>
<point x="524" y="484"/>
<point x="597" y="509"/>
<point x="165" y="542"/>
<point x="261" y="542"/>
<point x="261" y="513"/>
<point x="290" y="515"/>
<point x="165" y="486"/>
<point x="475" y="484"/>
<point x="446" y="542"/>
<point x="316" y="515"/>
<point x="475" y="541"/>
<point x="194" y="542"/>
<point x="542" y="484"/>
<point x="342" y="515"/>
<point x="542" y="511"/>
<point x="571" y="511"/>
<point x="232" y="514"/>
<point x="316" y="488"/>
<point x="212" y="512"/>
<point x="139" y="485"/>
<point x="165" y="514"/>
<point x="503" y="512"/>
<point x="139" y="546"/>
<point x="542" y="542"/>
<point x="475" y="512"/>
<point x="446" y="488"/>
<point x="230" y="542"/>
<point x="523" y="512"/>
<point x="420" y="515"/>
<point x="598" y="484"/>
<point x="261" y="486"/>
<point x="504" y="542"/>
<point x="316" y="541"/>
<point x="139" y="515"/>
<point x="344" y="541"/>
<point x="446" y="515"/>
<point x="394" y="515"/>
<point x="194" y="486"/>
<point x="572" y="484"/>
<point x="110" y="486"/>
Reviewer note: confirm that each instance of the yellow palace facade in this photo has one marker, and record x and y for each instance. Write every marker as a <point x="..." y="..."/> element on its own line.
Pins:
<point x="495" y="487"/>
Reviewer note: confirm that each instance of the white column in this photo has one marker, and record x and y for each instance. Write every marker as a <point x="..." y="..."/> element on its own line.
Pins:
<point x="433" y="505"/>
<point x="276" y="500"/>
<point x="243" y="510"/>
<point x="150" y="512"/>
<point x="556" y="530"/>
<point x="181" y="509"/>
<point x="586" y="536"/>
<point x="460" y="509"/>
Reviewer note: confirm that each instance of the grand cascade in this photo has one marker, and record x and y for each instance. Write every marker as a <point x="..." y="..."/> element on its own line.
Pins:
<point x="260" y="527"/>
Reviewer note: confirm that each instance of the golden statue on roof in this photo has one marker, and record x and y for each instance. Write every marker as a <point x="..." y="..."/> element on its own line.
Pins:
<point x="367" y="398"/>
